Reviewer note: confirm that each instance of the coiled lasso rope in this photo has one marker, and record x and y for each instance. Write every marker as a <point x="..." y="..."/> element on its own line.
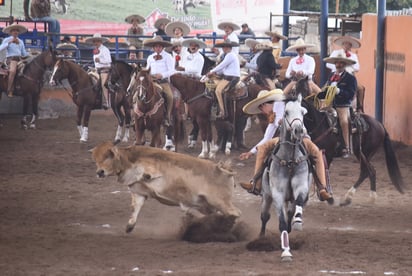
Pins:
<point x="328" y="100"/>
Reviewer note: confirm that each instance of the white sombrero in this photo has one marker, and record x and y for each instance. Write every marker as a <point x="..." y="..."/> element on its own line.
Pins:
<point x="251" y="43"/>
<point x="341" y="56"/>
<point x="95" y="37"/>
<point x="233" y="26"/>
<point x="66" y="46"/>
<point x="170" y="28"/>
<point x="157" y="40"/>
<point x="188" y="41"/>
<point x="355" y="43"/>
<point x="300" y="43"/>
<point x="264" y="96"/>
<point x="161" y="21"/>
<point x="264" y="45"/>
<point x="20" y="28"/>
<point x="276" y="34"/>
<point x="137" y="17"/>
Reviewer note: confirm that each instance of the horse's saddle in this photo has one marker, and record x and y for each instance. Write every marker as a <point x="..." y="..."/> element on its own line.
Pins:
<point x="358" y="123"/>
<point x="94" y="76"/>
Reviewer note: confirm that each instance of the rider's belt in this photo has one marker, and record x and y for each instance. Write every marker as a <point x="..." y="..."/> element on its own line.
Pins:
<point x="229" y="78"/>
<point x="165" y="80"/>
<point x="15" y="58"/>
<point x="103" y="70"/>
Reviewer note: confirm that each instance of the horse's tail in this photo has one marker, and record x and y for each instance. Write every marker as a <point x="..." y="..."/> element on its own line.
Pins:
<point x="392" y="164"/>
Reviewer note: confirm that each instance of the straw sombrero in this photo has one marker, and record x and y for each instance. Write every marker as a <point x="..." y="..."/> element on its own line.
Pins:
<point x="20" y="28"/>
<point x="264" y="96"/>
<point x="276" y="34"/>
<point x="226" y="43"/>
<point x="95" y="37"/>
<point x="188" y="41"/>
<point x="341" y="56"/>
<point x="140" y="19"/>
<point x="66" y="46"/>
<point x="300" y="43"/>
<point x="355" y="43"/>
<point x="161" y="21"/>
<point x="169" y="30"/>
<point x="157" y="40"/>
<point x="233" y="26"/>
<point x="251" y="43"/>
<point x="264" y="45"/>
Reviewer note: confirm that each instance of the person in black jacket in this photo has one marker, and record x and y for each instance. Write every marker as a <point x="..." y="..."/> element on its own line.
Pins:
<point x="266" y="64"/>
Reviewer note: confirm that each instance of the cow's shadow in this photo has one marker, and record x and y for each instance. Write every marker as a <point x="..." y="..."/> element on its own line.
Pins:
<point x="213" y="228"/>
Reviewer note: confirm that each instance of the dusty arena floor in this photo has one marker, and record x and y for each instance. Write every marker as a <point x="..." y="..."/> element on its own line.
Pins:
<point x="57" y="218"/>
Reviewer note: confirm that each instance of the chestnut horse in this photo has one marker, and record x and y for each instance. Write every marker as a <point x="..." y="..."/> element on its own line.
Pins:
<point x="85" y="92"/>
<point x="149" y="109"/>
<point x="369" y="137"/>
<point x="28" y="85"/>
<point x="120" y="99"/>
<point x="199" y="102"/>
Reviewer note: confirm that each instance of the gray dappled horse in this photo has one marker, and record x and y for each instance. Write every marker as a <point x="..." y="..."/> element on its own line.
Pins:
<point x="286" y="180"/>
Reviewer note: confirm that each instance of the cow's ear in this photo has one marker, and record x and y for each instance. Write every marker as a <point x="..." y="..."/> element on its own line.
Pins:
<point x="115" y="151"/>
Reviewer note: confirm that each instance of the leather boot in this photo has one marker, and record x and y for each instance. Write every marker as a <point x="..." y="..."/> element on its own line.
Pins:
<point x="252" y="187"/>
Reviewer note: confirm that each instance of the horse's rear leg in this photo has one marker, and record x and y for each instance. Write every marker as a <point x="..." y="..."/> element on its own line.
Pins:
<point x="85" y="130"/>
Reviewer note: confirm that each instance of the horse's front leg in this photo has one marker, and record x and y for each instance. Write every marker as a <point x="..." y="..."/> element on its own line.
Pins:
<point x="265" y="212"/>
<point x="85" y="130"/>
<point x="128" y="119"/>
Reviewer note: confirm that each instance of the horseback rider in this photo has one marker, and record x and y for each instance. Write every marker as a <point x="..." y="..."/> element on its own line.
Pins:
<point x="266" y="64"/>
<point x="192" y="63"/>
<point x="270" y="103"/>
<point x="251" y="65"/>
<point x="276" y="38"/>
<point x="347" y="43"/>
<point x="345" y="84"/>
<point x="15" y="50"/>
<point x="162" y="66"/>
<point x="301" y="66"/>
<point x="229" y="67"/>
<point x="102" y="63"/>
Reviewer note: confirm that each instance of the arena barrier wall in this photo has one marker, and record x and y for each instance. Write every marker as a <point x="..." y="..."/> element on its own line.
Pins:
<point x="397" y="98"/>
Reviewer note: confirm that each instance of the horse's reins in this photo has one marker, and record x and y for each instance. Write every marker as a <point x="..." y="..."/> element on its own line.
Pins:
<point x="155" y="108"/>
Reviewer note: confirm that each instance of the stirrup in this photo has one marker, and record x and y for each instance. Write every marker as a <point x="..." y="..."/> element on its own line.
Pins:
<point x="253" y="190"/>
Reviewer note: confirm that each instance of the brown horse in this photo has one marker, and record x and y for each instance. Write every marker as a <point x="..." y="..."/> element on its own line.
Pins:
<point x="369" y="137"/>
<point x="199" y="102"/>
<point x="120" y="99"/>
<point x="230" y="130"/>
<point x="28" y="85"/>
<point x="85" y="92"/>
<point x="149" y="109"/>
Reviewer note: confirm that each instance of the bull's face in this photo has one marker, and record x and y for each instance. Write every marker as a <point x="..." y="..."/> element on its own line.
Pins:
<point x="106" y="159"/>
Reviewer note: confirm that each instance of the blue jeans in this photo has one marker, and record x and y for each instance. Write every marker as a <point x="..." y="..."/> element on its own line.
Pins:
<point x="54" y="27"/>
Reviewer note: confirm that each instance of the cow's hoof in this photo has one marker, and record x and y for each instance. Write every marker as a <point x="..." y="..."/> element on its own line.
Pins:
<point x="129" y="228"/>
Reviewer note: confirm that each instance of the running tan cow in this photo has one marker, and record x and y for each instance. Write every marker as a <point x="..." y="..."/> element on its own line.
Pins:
<point x="172" y="178"/>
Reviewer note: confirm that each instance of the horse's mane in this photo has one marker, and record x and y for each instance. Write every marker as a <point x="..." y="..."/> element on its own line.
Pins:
<point x="146" y="73"/>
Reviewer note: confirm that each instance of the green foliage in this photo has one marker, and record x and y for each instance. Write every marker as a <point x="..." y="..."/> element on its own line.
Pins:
<point x="349" y="6"/>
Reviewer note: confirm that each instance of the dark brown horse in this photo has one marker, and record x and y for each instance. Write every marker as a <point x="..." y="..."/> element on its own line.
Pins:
<point x="230" y="130"/>
<point x="28" y="85"/>
<point x="149" y="109"/>
<point x="199" y="103"/>
<point x="369" y="137"/>
<point x="85" y="92"/>
<point x="120" y="99"/>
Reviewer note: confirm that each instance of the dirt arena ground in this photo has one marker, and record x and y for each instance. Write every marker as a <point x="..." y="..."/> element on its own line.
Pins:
<point x="57" y="218"/>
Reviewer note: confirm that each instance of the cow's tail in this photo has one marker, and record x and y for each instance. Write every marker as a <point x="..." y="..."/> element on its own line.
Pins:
<point x="226" y="167"/>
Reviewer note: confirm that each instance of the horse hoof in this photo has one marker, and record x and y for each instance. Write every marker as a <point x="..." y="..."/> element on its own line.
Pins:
<point x="83" y="140"/>
<point x="32" y="126"/>
<point x="297" y="224"/>
<point x="286" y="256"/>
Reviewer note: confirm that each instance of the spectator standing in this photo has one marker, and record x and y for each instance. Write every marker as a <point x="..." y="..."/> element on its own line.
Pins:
<point x="134" y="31"/>
<point x="40" y="11"/>
<point x="246" y="33"/>
<point x="160" y="25"/>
